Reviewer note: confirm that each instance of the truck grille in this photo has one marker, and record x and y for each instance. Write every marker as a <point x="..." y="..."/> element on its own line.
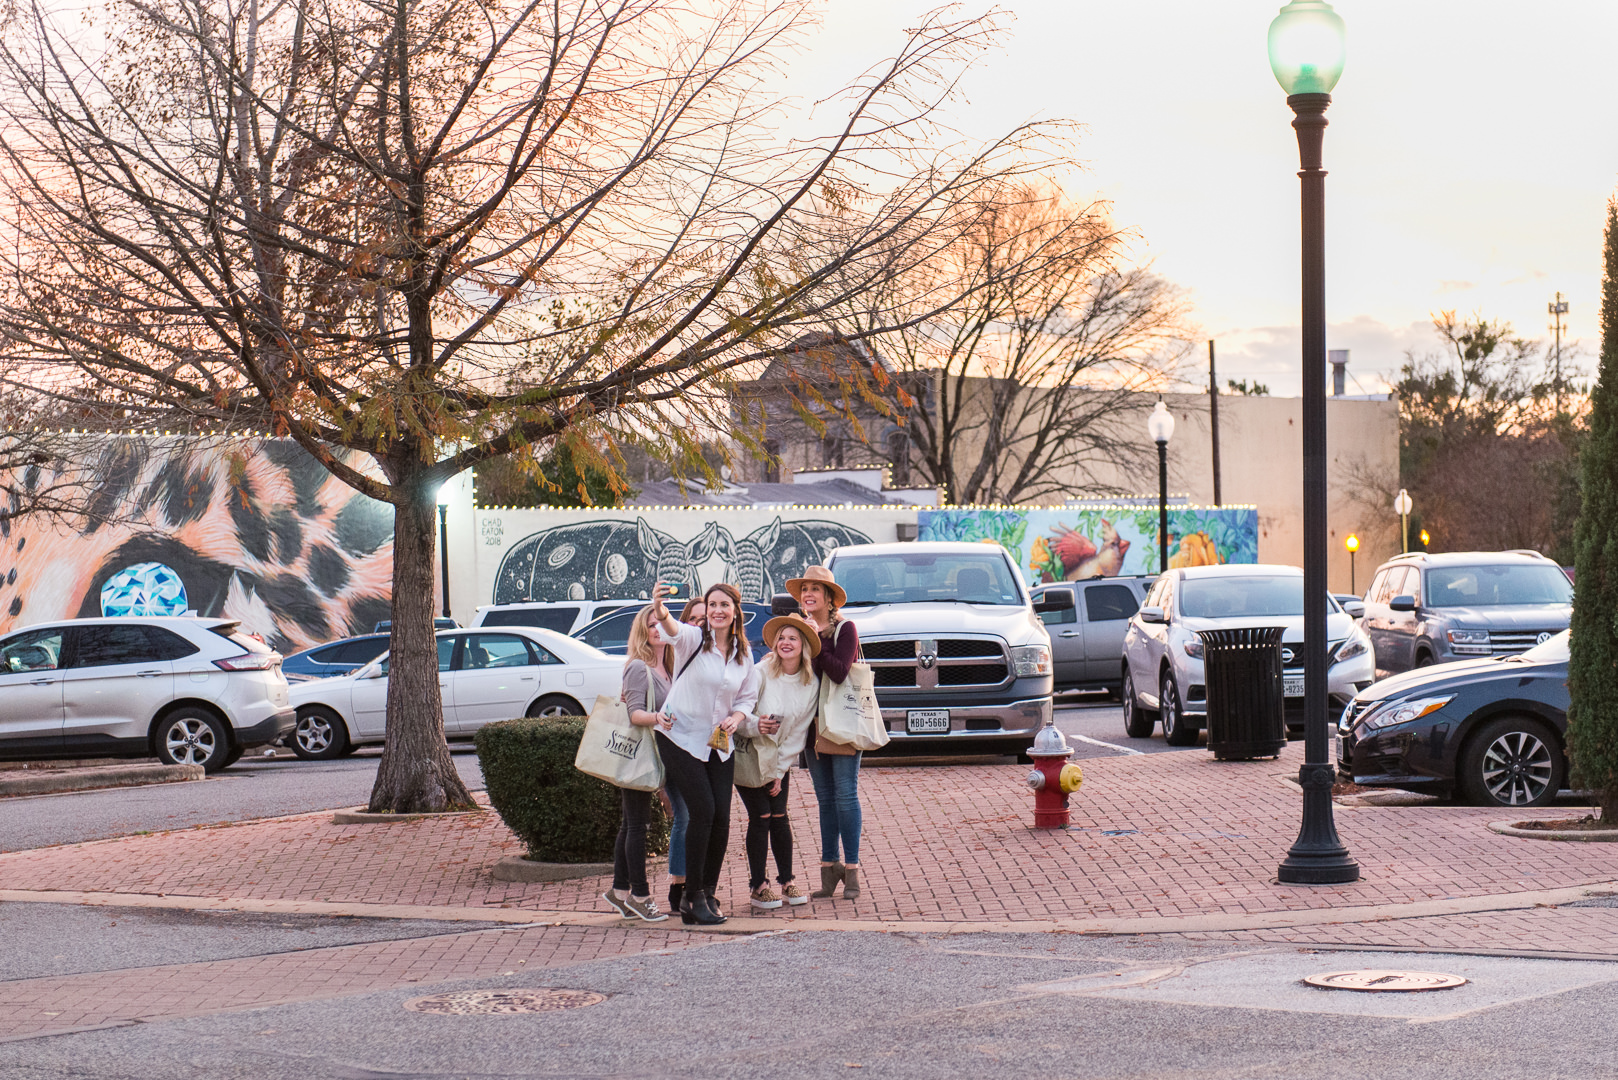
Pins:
<point x="956" y="662"/>
<point x="1506" y="642"/>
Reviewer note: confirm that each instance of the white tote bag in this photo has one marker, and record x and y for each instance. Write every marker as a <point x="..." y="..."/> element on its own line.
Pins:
<point x="617" y="751"/>
<point x="849" y="713"/>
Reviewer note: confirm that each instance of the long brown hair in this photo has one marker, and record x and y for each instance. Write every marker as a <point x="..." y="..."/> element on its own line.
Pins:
<point x="640" y="642"/>
<point x="739" y="649"/>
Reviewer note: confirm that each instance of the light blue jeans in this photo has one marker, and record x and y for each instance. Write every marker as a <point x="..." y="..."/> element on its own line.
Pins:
<point x="837" y="790"/>
<point x="677" y="832"/>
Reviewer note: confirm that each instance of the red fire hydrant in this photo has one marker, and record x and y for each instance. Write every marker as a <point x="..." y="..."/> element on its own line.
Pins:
<point x="1053" y="777"/>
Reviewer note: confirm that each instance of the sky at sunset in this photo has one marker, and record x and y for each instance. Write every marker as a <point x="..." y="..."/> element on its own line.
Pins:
<point x="1472" y="148"/>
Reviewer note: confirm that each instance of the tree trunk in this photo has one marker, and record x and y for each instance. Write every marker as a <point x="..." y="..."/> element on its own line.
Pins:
<point x="417" y="774"/>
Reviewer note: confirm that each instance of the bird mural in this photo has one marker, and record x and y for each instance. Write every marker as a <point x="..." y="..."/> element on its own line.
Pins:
<point x="1081" y="558"/>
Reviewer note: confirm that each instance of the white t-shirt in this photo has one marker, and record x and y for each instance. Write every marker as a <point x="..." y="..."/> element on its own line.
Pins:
<point x="705" y="692"/>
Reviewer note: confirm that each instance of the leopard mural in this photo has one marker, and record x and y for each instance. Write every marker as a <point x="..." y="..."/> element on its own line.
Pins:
<point x="256" y="531"/>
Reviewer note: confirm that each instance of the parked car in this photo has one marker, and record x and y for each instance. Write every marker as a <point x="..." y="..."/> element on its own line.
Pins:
<point x="1426" y="608"/>
<point x="1351" y="604"/>
<point x="484" y="676"/>
<point x="442" y="622"/>
<point x="563" y="616"/>
<point x="1493" y="731"/>
<point x="1087" y="639"/>
<point x="954" y="640"/>
<point x="1162" y="662"/>
<point x="610" y="633"/>
<point x="189" y="691"/>
<point x="335" y="657"/>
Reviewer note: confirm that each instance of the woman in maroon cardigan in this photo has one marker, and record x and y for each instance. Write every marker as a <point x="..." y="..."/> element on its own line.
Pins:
<point x="834" y="768"/>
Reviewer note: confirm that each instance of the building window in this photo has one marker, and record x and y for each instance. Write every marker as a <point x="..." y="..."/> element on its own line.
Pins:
<point x="899" y="458"/>
<point x="772" y="461"/>
<point x="831" y="452"/>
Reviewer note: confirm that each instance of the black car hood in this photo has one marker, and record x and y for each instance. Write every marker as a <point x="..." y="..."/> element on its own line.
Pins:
<point x="1441" y="677"/>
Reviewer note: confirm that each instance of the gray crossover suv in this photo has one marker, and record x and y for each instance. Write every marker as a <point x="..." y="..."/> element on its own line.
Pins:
<point x="1430" y="609"/>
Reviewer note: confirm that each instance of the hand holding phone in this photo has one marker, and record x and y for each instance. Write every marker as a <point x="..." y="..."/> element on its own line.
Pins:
<point x="769" y="724"/>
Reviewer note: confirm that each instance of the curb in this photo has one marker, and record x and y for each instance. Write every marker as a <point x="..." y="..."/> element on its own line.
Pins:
<point x="1587" y="836"/>
<point x="365" y="817"/>
<point x="517" y="868"/>
<point x="55" y="781"/>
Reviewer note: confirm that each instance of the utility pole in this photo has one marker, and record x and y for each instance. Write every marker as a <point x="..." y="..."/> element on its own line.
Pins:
<point x="1213" y="405"/>
<point x="1557" y="309"/>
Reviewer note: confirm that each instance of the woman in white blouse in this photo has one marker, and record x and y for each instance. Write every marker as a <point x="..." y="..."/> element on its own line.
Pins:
<point x="714" y="690"/>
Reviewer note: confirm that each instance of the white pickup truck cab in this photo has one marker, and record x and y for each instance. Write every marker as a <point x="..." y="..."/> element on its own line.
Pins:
<point x="960" y="655"/>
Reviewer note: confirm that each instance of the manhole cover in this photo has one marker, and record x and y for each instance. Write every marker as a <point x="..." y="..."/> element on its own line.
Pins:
<point x="502" y="1002"/>
<point x="1378" y="981"/>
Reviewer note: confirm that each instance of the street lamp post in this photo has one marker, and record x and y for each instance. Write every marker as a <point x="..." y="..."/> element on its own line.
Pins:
<point x="1352" y="543"/>
<point x="443" y="545"/>
<point x="1160" y="426"/>
<point x="1401" y="506"/>
<point x="1306" y="54"/>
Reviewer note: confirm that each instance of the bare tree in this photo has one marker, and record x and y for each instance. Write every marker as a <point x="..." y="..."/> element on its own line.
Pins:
<point x="442" y="231"/>
<point x="1035" y="372"/>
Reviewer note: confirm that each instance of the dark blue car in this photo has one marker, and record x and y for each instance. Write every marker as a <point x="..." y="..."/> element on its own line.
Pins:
<point x="610" y="633"/>
<point x="334" y="657"/>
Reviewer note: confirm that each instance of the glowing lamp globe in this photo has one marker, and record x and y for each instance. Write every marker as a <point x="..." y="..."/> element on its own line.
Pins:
<point x="1160" y="425"/>
<point x="1352" y="542"/>
<point x="1306" y="47"/>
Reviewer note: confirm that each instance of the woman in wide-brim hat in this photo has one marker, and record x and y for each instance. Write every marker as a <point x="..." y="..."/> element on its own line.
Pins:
<point x="788" y="697"/>
<point x="834" y="768"/>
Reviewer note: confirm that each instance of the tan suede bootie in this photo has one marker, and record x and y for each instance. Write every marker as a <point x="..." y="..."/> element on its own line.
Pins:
<point x="829" y="877"/>
<point x="851" y="883"/>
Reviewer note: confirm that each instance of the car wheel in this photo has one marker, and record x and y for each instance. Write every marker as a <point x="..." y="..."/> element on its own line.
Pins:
<point x="192" y="737"/>
<point x="553" y="705"/>
<point x="320" y="735"/>
<point x="1138" y="723"/>
<point x="1513" y="761"/>
<point x="1176" y="732"/>
<point x="1424" y="659"/>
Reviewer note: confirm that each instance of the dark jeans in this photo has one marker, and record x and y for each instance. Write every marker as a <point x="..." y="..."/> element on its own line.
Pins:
<point x="705" y="787"/>
<point x="629" y="850"/>
<point x="767" y="827"/>
<point x="837" y="790"/>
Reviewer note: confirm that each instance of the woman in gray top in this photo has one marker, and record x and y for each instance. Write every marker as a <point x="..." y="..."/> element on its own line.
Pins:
<point x="646" y="686"/>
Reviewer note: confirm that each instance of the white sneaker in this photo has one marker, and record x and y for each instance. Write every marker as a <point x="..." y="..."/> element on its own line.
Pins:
<point x="764" y="898"/>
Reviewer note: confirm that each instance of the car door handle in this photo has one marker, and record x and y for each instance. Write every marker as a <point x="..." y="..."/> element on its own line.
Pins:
<point x="526" y="678"/>
<point x="148" y="674"/>
<point x="42" y="682"/>
<point x="1070" y="633"/>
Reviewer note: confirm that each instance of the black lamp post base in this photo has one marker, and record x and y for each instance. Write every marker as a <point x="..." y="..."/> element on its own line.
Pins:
<point x="1318" y="857"/>
<point x="1325" y="869"/>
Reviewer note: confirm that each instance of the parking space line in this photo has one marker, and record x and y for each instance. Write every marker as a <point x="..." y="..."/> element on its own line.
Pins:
<point x="1108" y="745"/>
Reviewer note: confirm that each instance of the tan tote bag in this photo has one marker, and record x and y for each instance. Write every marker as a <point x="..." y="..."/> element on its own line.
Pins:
<point x="615" y="750"/>
<point x="849" y="714"/>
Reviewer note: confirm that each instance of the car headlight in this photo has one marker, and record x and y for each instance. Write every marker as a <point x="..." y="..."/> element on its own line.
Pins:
<point x="1469" y="642"/>
<point x="1356" y="644"/>
<point x="1405" y="711"/>
<point x="1029" y="660"/>
<point x="1193" y="647"/>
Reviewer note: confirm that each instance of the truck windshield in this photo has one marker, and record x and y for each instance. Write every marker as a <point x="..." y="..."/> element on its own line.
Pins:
<point x="1492" y="586"/>
<point x="1227" y="597"/>
<point x="913" y="577"/>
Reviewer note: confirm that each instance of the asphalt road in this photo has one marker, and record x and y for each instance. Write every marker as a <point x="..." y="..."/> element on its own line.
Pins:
<point x="252" y="788"/>
<point x="892" y="1005"/>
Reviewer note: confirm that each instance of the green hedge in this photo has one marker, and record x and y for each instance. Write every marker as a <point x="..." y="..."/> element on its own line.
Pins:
<point x="561" y="814"/>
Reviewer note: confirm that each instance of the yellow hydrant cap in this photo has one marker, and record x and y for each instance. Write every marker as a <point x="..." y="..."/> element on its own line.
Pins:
<point x="1072" y="778"/>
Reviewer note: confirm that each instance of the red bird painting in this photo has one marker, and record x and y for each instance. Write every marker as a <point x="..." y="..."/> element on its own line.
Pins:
<point x="1081" y="558"/>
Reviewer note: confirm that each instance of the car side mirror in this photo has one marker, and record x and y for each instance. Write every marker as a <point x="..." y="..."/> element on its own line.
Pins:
<point x="1403" y="602"/>
<point x="1152" y="615"/>
<point x="783" y="603"/>
<point x="1354" y="608"/>
<point x="1054" y="600"/>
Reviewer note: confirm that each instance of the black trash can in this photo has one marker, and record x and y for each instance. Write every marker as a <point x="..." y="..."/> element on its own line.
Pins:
<point x="1246" y="703"/>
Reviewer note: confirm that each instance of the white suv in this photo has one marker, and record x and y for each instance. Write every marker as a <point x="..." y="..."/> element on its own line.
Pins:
<point x="188" y="690"/>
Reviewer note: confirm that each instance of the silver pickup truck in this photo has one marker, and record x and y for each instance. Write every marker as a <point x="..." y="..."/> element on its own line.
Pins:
<point x="954" y="640"/>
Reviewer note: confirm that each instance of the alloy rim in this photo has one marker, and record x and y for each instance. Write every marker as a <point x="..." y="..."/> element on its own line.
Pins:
<point x="1171" y="708"/>
<point x="1129" y="699"/>
<point x="1517" y="768"/>
<point x="190" y="742"/>
<point x="314" y="733"/>
<point x="554" y="711"/>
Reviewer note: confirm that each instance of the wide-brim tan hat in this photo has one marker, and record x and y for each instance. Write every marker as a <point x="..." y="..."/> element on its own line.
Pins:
<point x="811" y="637"/>
<point x="820" y="576"/>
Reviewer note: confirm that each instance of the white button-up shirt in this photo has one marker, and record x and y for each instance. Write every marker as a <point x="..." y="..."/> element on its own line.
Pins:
<point x="705" y="692"/>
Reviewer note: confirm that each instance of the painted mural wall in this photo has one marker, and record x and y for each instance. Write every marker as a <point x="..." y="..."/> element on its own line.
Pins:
<point x="254" y="530"/>
<point x="1070" y="545"/>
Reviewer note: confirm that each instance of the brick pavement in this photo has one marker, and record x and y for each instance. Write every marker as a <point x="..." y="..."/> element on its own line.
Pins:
<point x="1154" y="835"/>
<point x="33" y="1007"/>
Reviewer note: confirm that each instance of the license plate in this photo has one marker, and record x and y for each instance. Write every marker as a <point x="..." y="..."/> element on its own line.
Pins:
<point x="926" y="721"/>
<point x="1292" y="686"/>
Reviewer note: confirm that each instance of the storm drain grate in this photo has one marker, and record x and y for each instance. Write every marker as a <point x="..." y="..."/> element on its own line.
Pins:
<point x="1380" y="981"/>
<point x="503" y="1002"/>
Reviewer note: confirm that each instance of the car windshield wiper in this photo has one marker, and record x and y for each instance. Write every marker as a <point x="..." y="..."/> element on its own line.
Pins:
<point x="859" y="603"/>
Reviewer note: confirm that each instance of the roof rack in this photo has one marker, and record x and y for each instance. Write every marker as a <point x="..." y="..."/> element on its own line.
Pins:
<point x="1524" y="551"/>
<point x="1409" y="555"/>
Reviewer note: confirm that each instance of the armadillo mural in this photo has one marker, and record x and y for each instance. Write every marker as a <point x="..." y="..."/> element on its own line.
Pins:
<point x="610" y="558"/>
<point x="255" y="530"/>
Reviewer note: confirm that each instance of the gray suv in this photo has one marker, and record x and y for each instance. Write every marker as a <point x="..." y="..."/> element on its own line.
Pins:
<point x="1426" y="608"/>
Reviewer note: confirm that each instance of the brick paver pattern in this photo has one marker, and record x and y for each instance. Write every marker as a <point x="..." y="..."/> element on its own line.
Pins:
<point x="1163" y="834"/>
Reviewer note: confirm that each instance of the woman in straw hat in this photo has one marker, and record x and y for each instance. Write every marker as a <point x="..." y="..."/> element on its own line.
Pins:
<point x="834" y="768"/>
<point x="788" y="696"/>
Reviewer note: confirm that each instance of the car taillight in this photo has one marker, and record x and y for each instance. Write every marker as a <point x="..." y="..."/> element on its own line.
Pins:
<point x="250" y="662"/>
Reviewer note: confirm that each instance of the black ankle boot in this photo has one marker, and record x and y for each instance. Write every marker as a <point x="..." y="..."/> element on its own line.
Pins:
<point x="713" y="905"/>
<point x="688" y="908"/>
<point x="676" y="892"/>
<point x="703" y="912"/>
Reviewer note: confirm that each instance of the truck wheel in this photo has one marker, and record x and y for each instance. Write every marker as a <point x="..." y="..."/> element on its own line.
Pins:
<point x="1138" y="723"/>
<point x="1176" y="732"/>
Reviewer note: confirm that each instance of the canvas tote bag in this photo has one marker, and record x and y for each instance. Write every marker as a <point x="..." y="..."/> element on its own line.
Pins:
<point x="849" y="714"/>
<point x="615" y="750"/>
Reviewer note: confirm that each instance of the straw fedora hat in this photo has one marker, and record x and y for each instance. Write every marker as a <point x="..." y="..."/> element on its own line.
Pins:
<point x="820" y="576"/>
<point x="811" y="638"/>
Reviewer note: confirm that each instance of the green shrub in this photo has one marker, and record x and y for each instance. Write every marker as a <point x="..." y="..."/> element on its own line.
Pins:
<point x="561" y="814"/>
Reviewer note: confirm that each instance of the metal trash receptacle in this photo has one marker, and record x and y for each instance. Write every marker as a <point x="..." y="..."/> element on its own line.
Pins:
<point x="1246" y="701"/>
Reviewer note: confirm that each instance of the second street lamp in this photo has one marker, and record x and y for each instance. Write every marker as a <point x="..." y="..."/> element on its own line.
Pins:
<point x="1352" y="543"/>
<point x="1402" y="506"/>
<point x="1306" y="54"/>
<point x="443" y="544"/>
<point x="1160" y="426"/>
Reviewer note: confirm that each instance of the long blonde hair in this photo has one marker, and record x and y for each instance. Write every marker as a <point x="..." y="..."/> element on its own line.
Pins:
<point x="640" y="642"/>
